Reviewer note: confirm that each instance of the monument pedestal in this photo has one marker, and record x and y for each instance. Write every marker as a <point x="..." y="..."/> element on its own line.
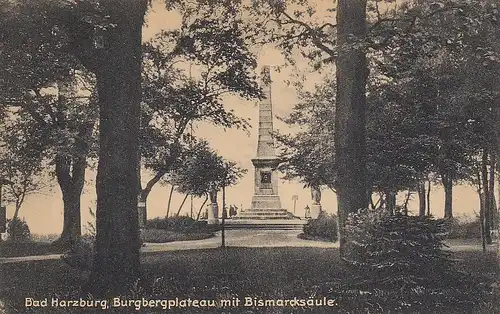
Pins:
<point x="264" y="207"/>
<point x="213" y="214"/>
<point x="315" y="211"/>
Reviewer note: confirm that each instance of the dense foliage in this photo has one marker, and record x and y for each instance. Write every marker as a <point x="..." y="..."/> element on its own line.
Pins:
<point x="18" y="230"/>
<point x="82" y="253"/>
<point x="324" y="227"/>
<point x="397" y="250"/>
<point x="402" y="260"/>
<point x="470" y="229"/>
<point x="177" y="223"/>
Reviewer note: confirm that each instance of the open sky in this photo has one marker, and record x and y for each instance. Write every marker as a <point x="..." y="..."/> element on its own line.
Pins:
<point x="44" y="211"/>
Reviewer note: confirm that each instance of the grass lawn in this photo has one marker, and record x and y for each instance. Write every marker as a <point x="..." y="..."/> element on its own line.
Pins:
<point x="15" y="249"/>
<point x="163" y="236"/>
<point x="216" y="274"/>
<point x="304" y="236"/>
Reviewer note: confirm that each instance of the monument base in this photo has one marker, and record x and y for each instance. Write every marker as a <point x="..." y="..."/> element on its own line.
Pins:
<point x="315" y="211"/>
<point x="212" y="221"/>
<point x="265" y="206"/>
<point x="263" y="214"/>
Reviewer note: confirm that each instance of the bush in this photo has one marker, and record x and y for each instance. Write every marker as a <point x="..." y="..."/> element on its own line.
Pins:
<point x="45" y="238"/>
<point x="459" y="229"/>
<point x="164" y="236"/>
<point x="323" y="227"/>
<point x="18" y="231"/>
<point x="82" y="253"/>
<point x="397" y="250"/>
<point x="180" y="224"/>
<point x="82" y="250"/>
<point x="401" y="259"/>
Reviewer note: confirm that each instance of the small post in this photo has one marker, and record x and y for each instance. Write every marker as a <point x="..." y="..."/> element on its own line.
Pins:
<point x="294" y="199"/>
<point x="3" y="215"/>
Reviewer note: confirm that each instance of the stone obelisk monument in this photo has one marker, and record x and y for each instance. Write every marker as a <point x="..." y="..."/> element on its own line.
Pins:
<point x="266" y="202"/>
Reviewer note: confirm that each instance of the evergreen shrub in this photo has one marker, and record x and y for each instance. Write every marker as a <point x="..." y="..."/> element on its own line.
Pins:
<point x="401" y="264"/>
<point x="397" y="251"/>
<point x="323" y="227"/>
<point x="179" y="224"/>
<point x="18" y="231"/>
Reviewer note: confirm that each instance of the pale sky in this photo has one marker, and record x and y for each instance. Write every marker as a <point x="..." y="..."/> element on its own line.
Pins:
<point x="44" y="212"/>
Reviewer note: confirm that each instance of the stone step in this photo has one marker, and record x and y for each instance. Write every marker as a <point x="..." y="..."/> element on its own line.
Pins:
<point x="271" y="224"/>
<point x="262" y="213"/>
<point x="265" y="226"/>
<point x="267" y="213"/>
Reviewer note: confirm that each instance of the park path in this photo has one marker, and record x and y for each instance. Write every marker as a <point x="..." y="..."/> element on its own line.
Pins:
<point x="238" y="238"/>
<point x="234" y="237"/>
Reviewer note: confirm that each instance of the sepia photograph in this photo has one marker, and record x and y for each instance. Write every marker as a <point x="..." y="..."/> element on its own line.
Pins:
<point x="250" y="156"/>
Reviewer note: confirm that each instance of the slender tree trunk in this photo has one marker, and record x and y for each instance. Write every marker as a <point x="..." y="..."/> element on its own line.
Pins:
<point x="169" y="200"/>
<point x="486" y="193"/>
<point x="182" y="204"/>
<point x="496" y="142"/>
<point x="372" y="204"/>
<point x="390" y="202"/>
<point x="491" y="195"/>
<point x="405" y="205"/>
<point x="421" y="198"/>
<point x="369" y="196"/>
<point x="116" y="267"/>
<point x="480" y="193"/>
<point x="448" y="196"/>
<point x="201" y="208"/>
<point x="13" y="231"/>
<point x="16" y="212"/>
<point x="223" y="225"/>
<point x="350" y="111"/>
<point x="481" y="220"/>
<point x="429" y="197"/>
<point x="497" y="216"/>
<point x="381" y="200"/>
<point x="144" y="192"/>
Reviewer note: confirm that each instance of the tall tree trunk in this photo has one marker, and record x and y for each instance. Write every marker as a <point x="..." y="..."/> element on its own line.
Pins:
<point x="70" y="173"/>
<point x="486" y="193"/>
<point x="116" y="266"/>
<point x="182" y="204"/>
<point x="390" y="201"/>
<point x="350" y="111"/>
<point x="448" y="195"/>
<point x="169" y="200"/>
<point x="421" y="198"/>
<point x="496" y="143"/>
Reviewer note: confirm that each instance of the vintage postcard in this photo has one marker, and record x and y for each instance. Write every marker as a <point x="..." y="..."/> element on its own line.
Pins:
<point x="249" y="156"/>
